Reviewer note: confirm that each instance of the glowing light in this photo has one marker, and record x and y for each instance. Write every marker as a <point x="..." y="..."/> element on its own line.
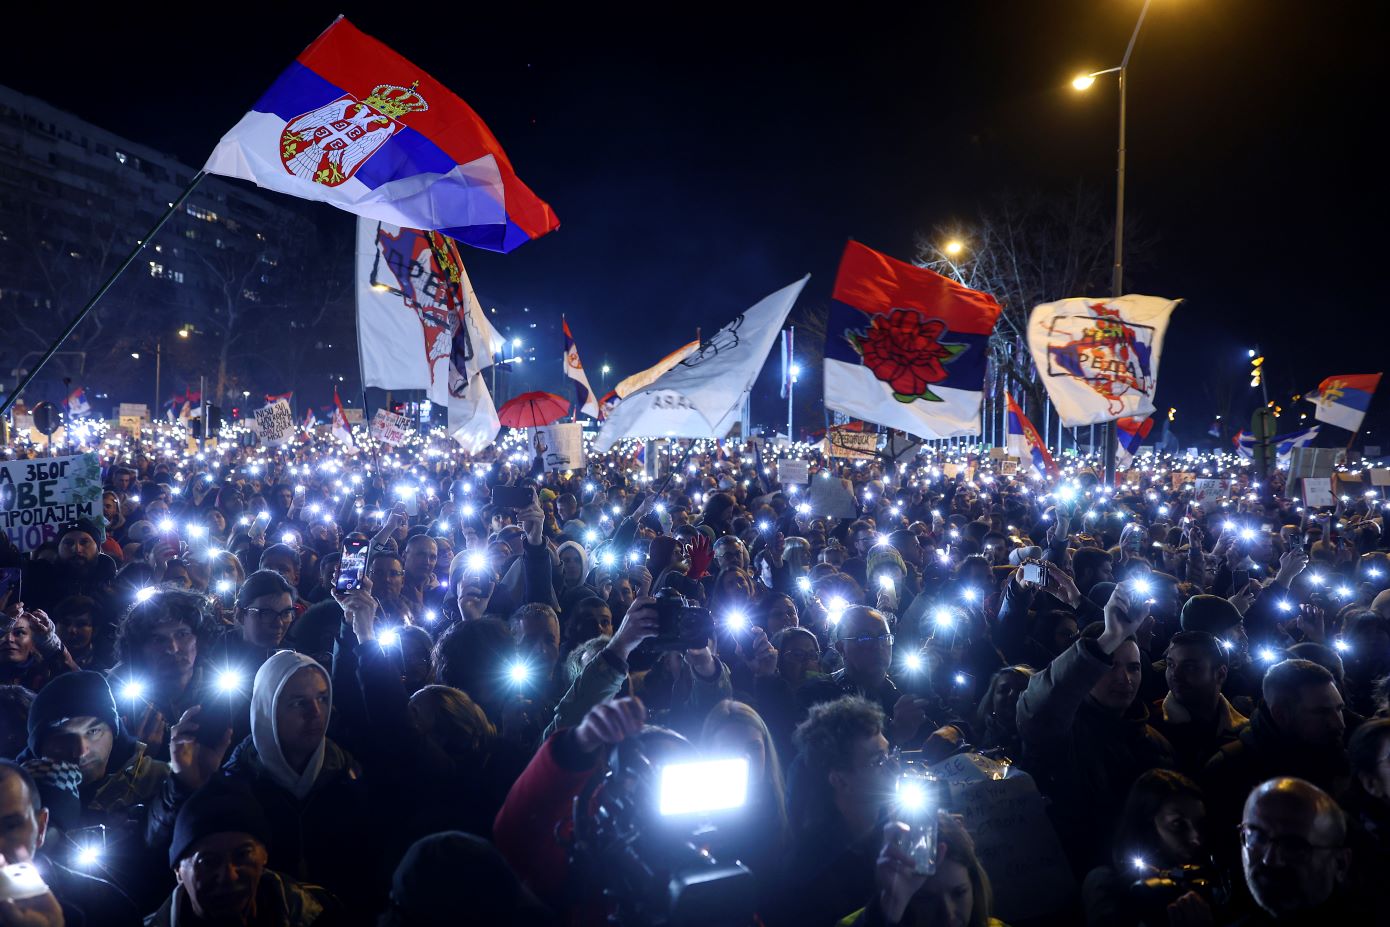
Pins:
<point x="1315" y="578"/>
<point x="886" y="583"/>
<point x="959" y="679"/>
<point x="1341" y="645"/>
<point x="89" y="856"/>
<point x="702" y="787"/>
<point x="913" y="662"/>
<point x="431" y="615"/>
<point x="225" y="585"/>
<point x="943" y="618"/>
<point x="970" y="595"/>
<point x="166" y="524"/>
<point x="1343" y="592"/>
<point x="1285" y="605"/>
<point x="133" y="690"/>
<point x="1268" y="655"/>
<point x="389" y="638"/>
<point x="606" y="558"/>
<point x="477" y="561"/>
<point x="912" y="795"/>
<point x="736" y="621"/>
<point x="518" y="673"/>
<point x="1138" y="863"/>
<point x="228" y="680"/>
<point x="145" y="593"/>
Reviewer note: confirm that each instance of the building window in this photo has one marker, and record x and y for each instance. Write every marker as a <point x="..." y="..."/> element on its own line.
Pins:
<point x="198" y="212"/>
<point x="122" y="157"/>
<point x="177" y="276"/>
<point x="157" y="270"/>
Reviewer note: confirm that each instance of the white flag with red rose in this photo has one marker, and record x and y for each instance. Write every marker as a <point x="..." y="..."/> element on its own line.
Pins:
<point x="905" y="347"/>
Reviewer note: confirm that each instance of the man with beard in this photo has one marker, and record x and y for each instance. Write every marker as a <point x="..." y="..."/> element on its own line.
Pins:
<point x="419" y="588"/>
<point x="1293" y="851"/>
<point x="81" y="569"/>
<point x="220" y="863"/>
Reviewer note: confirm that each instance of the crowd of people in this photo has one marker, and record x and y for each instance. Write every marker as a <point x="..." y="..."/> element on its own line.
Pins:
<point x="296" y="686"/>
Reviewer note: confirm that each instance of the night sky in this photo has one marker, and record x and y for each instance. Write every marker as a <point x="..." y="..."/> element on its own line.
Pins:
<point x="700" y="157"/>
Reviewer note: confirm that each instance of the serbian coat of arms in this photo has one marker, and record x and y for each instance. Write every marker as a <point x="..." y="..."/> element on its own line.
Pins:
<point x="329" y="144"/>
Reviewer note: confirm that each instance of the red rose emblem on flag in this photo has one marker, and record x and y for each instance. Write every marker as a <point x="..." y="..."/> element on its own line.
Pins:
<point x="905" y="351"/>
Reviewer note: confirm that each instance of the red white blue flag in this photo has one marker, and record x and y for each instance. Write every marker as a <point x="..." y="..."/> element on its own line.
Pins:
<point x="584" y="399"/>
<point x="906" y="347"/>
<point x="1343" y="400"/>
<point x="1131" y="433"/>
<point x="354" y="124"/>
<point x="1025" y="443"/>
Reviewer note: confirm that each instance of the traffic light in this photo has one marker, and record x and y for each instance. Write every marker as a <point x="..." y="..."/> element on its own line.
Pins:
<point x="1256" y="370"/>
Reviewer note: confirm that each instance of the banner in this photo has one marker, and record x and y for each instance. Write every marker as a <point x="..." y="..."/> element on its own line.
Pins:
<point x="793" y="471"/>
<point x="1099" y="358"/>
<point x="560" y="445"/>
<point x="701" y="396"/>
<point x="275" y="423"/>
<point x="353" y="124"/>
<point x="644" y="378"/>
<point x="851" y="445"/>
<point x="905" y="347"/>
<point x="390" y="428"/>
<point x="473" y="422"/>
<point x="37" y="497"/>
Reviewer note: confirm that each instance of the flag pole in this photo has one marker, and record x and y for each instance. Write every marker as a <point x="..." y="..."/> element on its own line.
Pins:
<point x="101" y="291"/>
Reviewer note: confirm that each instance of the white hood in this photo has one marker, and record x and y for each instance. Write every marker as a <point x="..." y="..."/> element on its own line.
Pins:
<point x="265" y="694"/>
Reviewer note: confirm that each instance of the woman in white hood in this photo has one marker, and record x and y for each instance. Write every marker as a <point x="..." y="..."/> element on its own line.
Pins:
<point x="312" y="790"/>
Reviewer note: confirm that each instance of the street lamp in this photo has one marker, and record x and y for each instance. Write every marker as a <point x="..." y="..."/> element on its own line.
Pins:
<point x="1084" y="82"/>
<point x="953" y="248"/>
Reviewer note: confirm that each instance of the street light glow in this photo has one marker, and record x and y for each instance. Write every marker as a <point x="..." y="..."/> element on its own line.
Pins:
<point x="1083" y="81"/>
<point x="954" y="248"/>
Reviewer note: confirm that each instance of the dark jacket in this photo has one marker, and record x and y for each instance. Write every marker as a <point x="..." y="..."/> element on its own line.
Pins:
<point x="86" y="901"/>
<point x="280" y="902"/>
<point x="1261" y="751"/>
<point x="1084" y="757"/>
<point x="321" y="838"/>
<point x="1194" y="742"/>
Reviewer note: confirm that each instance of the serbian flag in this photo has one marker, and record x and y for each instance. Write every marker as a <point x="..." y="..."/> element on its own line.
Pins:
<point x="342" y="430"/>
<point x="1343" y="400"/>
<point x="77" y="402"/>
<point x="1283" y="444"/>
<point x="1131" y="433"/>
<point x="584" y="400"/>
<point x="271" y="400"/>
<point x="1025" y="443"/>
<point x="906" y="347"/>
<point x="354" y="124"/>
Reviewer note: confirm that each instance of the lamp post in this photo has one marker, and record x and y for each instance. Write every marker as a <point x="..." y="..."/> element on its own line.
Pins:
<point x="1083" y="82"/>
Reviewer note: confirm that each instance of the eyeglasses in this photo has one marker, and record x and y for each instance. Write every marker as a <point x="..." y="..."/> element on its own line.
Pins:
<point x="270" y="614"/>
<point x="884" y="638"/>
<point x="1287" y="849"/>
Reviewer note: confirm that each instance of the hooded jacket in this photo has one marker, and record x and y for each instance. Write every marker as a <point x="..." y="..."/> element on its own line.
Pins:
<point x="319" y="815"/>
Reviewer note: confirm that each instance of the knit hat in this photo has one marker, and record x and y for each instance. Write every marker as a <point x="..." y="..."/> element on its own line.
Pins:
<point x="882" y="556"/>
<point x="88" y="525"/>
<point x="217" y="809"/>
<point x="440" y="869"/>
<point x="1209" y="613"/>
<point x="58" y="785"/>
<point x="71" y="695"/>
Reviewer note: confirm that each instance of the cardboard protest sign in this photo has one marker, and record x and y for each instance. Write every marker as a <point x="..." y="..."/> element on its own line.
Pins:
<point x="1181" y="479"/>
<point x="354" y="416"/>
<point x="275" y="423"/>
<point x="39" y="496"/>
<point x="390" y="428"/>
<point x="1380" y="477"/>
<point x="1008" y="466"/>
<point x="851" y="445"/>
<point x="1317" y="492"/>
<point x="828" y="496"/>
<point x="1209" y="493"/>
<point x="1014" y="840"/>
<point x="793" y="471"/>
<point x="560" y="445"/>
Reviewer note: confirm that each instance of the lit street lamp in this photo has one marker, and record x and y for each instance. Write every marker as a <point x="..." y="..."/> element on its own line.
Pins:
<point x="1084" y="82"/>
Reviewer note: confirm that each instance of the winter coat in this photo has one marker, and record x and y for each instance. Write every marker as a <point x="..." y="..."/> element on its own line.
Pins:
<point x="1084" y="757"/>
<point x="280" y="902"/>
<point x="1194" y="743"/>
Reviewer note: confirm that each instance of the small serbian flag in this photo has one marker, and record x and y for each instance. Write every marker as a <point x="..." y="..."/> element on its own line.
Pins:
<point x="1131" y="433"/>
<point x="1343" y="400"/>
<point x="77" y="402"/>
<point x="354" y="124"/>
<point x="1025" y="443"/>
<point x="271" y="400"/>
<point x="905" y="347"/>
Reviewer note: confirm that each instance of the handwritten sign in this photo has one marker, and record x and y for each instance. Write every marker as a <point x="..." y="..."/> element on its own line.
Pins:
<point x="38" y="496"/>
<point x="851" y="445"/>
<point x="390" y="428"/>
<point x="275" y="423"/>
<point x="793" y="471"/>
<point x="1317" y="492"/>
<point x="1210" y="493"/>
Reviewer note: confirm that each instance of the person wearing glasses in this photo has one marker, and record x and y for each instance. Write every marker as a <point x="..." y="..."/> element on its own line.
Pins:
<point x="864" y="640"/>
<point x="263" y="614"/>
<point x="1294" y="854"/>
<point x="387" y="574"/>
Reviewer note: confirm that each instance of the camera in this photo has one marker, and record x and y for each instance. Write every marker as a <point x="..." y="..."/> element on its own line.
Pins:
<point x="1161" y="887"/>
<point x="643" y="832"/>
<point x="682" y="626"/>
<point x="1032" y="574"/>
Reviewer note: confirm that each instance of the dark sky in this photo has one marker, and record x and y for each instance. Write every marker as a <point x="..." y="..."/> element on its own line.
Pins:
<point x="701" y="157"/>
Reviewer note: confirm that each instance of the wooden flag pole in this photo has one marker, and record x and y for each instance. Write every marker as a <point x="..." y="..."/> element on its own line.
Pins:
<point x="101" y="291"/>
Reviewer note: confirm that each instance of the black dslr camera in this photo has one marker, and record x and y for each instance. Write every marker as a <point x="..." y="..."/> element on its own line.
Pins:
<point x="682" y="626"/>
<point x="1162" y="887"/>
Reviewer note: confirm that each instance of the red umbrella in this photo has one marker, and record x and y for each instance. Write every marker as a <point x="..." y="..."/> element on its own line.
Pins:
<point x="531" y="410"/>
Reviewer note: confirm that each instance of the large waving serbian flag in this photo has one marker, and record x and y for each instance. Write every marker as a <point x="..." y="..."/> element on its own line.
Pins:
<point x="906" y="347"/>
<point x="1343" y="400"/>
<point x="354" y="124"/>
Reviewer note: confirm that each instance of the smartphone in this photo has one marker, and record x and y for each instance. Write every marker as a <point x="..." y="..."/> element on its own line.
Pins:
<point x="916" y="809"/>
<point x="19" y="881"/>
<point x="1032" y="574"/>
<point x="11" y="586"/>
<point x="215" y="717"/>
<point x="513" y="497"/>
<point x="1240" y="579"/>
<point x="260" y="523"/>
<point x="352" y="565"/>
